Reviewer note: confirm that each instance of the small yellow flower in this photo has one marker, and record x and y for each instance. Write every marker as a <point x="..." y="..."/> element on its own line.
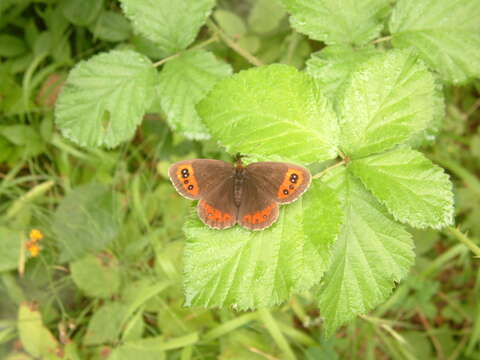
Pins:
<point x="36" y="235"/>
<point x="33" y="248"/>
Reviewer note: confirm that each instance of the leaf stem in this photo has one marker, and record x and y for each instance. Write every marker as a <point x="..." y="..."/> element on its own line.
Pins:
<point x="233" y="45"/>
<point x="464" y="239"/>
<point x="382" y="39"/>
<point x="330" y="168"/>
<point x="272" y="327"/>
<point x="214" y="38"/>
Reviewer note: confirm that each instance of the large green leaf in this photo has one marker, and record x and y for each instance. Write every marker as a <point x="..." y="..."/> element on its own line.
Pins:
<point x="337" y="21"/>
<point x="387" y="100"/>
<point x="269" y="111"/>
<point x="86" y="220"/>
<point x="97" y="276"/>
<point x="183" y="82"/>
<point x="371" y="254"/>
<point x="172" y="25"/>
<point x="35" y="337"/>
<point x="249" y="269"/>
<point x="104" y="99"/>
<point x="445" y="33"/>
<point x="413" y="189"/>
<point x="332" y="66"/>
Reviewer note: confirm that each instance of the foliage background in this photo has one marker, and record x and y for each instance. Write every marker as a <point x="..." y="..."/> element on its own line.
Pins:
<point x="123" y="297"/>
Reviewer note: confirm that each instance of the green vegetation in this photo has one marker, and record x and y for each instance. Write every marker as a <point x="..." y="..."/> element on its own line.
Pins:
<point x="101" y="258"/>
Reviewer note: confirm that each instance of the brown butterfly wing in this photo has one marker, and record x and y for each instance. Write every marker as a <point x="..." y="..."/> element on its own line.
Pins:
<point x="283" y="182"/>
<point x="193" y="179"/>
<point x="217" y="208"/>
<point x="258" y="210"/>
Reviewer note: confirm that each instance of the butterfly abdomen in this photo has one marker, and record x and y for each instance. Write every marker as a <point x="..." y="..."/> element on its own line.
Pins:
<point x="239" y="178"/>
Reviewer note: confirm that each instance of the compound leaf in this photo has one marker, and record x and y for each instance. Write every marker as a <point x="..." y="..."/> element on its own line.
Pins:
<point x="371" y="254"/>
<point x="183" y="82"/>
<point x="274" y="110"/>
<point x="413" y="189"/>
<point x="104" y="99"/>
<point x="337" y="21"/>
<point x="445" y="33"/>
<point x="387" y="100"/>
<point x="172" y="25"/>
<point x="248" y="269"/>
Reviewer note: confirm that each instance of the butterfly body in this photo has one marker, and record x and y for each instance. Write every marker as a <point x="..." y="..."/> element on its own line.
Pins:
<point x="230" y="194"/>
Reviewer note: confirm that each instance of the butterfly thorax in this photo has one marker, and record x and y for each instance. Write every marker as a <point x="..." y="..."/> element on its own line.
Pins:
<point x="239" y="178"/>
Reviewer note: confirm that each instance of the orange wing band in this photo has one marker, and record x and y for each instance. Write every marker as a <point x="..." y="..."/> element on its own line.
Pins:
<point x="215" y="214"/>
<point x="291" y="182"/>
<point x="186" y="176"/>
<point x="260" y="216"/>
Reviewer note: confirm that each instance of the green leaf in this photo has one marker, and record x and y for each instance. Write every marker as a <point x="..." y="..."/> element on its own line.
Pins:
<point x="332" y="66"/>
<point x="81" y="12"/>
<point x="173" y="26"/>
<point x="387" y="100"/>
<point x="248" y="269"/>
<point x="96" y="276"/>
<point x="111" y="26"/>
<point x="10" y="245"/>
<point x="11" y="46"/>
<point x="86" y="220"/>
<point x="265" y="16"/>
<point x="337" y="21"/>
<point x="35" y="337"/>
<point x="183" y="82"/>
<point x="232" y="24"/>
<point x="445" y="33"/>
<point x="270" y="111"/>
<point x="105" y="325"/>
<point x="371" y="254"/>
<point x="413" y="189"/>
<point x="104" y="99"/>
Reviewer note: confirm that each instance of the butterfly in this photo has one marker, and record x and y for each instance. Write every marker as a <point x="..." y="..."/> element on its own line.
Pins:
<point x="232" y="194"/>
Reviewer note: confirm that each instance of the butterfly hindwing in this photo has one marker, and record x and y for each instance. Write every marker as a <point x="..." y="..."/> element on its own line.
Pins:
<point x="283" y="182"/>
<point x="217" y="208"/>
<point x="257" y="210"/>
<point x="195" y="178"/>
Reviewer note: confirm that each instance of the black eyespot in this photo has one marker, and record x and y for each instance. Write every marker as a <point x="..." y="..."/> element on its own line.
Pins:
<point x="184" y="171"/>
<point x="293" y="178"/>
<point x="186" y="182"/>
<point x="291" y="187"/>
<point x="185" y="175"/>
<point x="190" y="187"/>
<point x="285" y="191"/>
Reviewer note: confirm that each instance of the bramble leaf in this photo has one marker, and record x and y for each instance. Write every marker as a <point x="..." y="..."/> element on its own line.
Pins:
<point x="387" y="100"/>
<point x="332" y="66"/>
<point x="371" y="254"/>
<point x="97" y="276"/>
<point x="104" y="99"/>
<point x="172" y="25"/>
<point x="445" y="33"/>
<point x="183" y="82"/>
<point x="255" y="269"/>
<point x="106" y="324"/>
<point x="337" y="21"/>
<point x="269" y="111"/>
<point x="413" y="189"/>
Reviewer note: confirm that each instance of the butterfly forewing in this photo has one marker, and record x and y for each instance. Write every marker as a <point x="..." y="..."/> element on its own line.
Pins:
<point x="195" y="178"/>
<point x="283" y="182"/>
